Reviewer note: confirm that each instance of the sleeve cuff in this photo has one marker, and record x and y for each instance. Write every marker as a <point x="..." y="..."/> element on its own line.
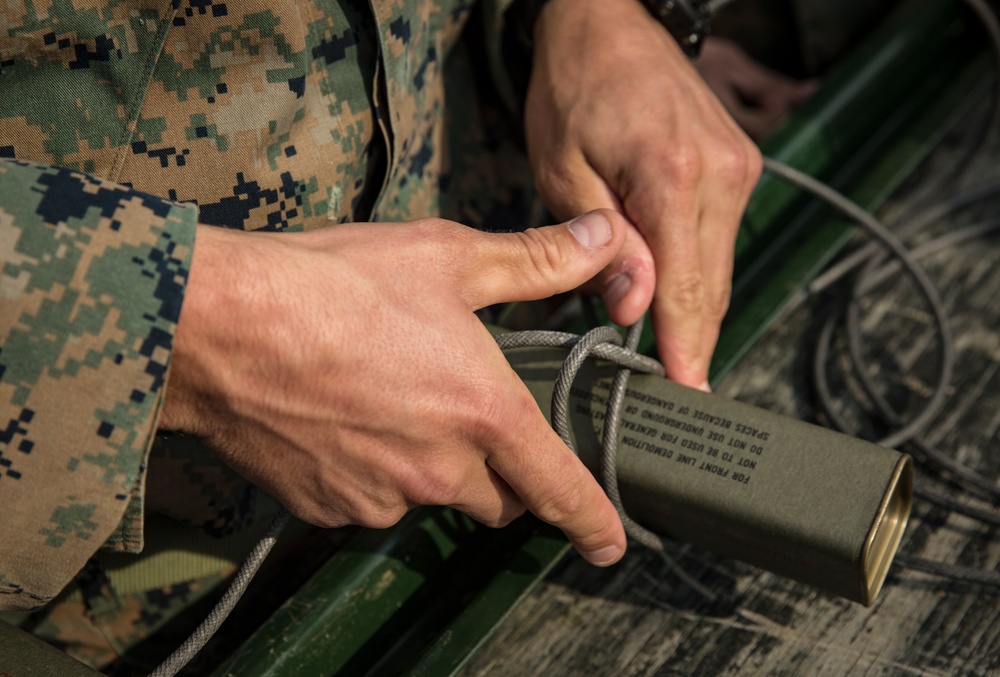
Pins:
<point x="92" y="276"/>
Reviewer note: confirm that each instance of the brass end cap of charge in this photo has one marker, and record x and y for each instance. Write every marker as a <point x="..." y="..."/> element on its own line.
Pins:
<point x="887" y="530"/>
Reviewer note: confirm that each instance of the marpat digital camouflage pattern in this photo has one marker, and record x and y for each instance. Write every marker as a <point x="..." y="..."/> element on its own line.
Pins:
<point x="124" y="123"/>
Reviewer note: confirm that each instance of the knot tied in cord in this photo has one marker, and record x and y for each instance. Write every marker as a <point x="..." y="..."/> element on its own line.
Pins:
<point x="605" y="343"/>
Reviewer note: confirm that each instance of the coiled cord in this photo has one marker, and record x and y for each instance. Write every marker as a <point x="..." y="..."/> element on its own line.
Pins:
<point x="606" y="343"/>
<point x="220" y="612"/>
<point x="872" y="267"/>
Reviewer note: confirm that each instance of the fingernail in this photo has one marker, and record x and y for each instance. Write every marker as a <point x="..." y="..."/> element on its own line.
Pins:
<point x="704" y="387"/>
<point x="617" y="289"/>
<point x="591" y="230"/>
<point x="603" y="557"/>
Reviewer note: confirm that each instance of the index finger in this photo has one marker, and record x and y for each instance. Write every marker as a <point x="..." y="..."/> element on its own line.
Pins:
<point x="554" y="484"/>
<point x="668" y="217"/>
<point x="691" y="224"/>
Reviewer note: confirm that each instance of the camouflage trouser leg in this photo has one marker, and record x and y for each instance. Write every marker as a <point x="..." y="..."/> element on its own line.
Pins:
<point x="99" y="627"/>
<point x="202" y="519"/>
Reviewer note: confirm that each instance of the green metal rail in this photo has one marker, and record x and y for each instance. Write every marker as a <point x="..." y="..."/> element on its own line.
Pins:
<point x="421" y="597"/>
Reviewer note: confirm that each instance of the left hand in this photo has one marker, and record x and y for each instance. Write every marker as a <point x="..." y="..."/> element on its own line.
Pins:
<point x="616" y="117"/>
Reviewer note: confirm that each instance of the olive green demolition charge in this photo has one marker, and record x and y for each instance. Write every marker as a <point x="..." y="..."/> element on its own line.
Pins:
<point x="802" y="501"/>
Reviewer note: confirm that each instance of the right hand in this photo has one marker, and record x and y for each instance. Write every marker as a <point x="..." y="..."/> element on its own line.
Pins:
<point x="626" y="123"/>
<point x="344" y="371"/>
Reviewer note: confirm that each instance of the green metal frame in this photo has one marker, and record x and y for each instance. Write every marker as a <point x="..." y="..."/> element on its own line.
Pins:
<point x="421" y="597"/>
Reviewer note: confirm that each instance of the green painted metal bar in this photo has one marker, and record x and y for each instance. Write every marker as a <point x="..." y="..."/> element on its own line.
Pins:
<point x="377" y="605"/>
<point x="419" y="598"/>
<point x="24" y="654"/>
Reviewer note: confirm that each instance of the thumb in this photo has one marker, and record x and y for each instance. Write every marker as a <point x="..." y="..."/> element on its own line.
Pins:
<point x="541" y="262"/>
<point x="626" y="284"/>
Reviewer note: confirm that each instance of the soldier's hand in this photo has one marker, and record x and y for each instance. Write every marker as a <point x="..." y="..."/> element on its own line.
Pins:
<point x="344" y="371"/>
<point x="617" y="117"/>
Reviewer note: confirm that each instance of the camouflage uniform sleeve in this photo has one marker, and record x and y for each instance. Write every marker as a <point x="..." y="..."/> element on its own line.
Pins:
<point x="92" y="276"/>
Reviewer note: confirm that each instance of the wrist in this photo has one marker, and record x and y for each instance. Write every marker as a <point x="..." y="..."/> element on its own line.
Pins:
<point x="209" y="316"/>
<point x="686" y="21"/>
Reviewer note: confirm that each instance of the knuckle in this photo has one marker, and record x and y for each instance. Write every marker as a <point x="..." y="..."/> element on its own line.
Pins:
<point x="734" y="163"/>
<point x="716" y="302"/>
<point x="499" y="415"/>
<point x="545" y="254"/>
<point x="490" y="415"/>
<point x="449" y="241"/>
<point x="433" y="227"/>
<point x="755" y="164"/>
<point x="436" y="487"/>
<point x="684" y="164"/>
<point x="687" y="294"/>
<point x="428" y="229"/>
<point x="521" y="405"/>
<point x="320" y="516"/>
<point x="599" y="534"/>
<point x="738" y="164"/>
<point x="562" y="505"/>
<point x="375" y="516"/>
